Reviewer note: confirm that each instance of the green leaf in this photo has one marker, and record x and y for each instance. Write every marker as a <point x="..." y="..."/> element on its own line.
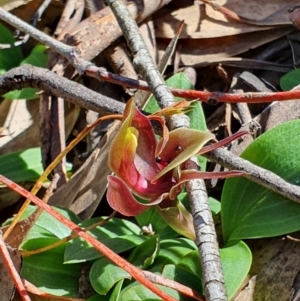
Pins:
<point x="26" y="93"/>
<point x="47" y="229"/>
<point x="115" y="294"/>
<point x="118" y="234"/>
<point x="251" y="211"/>
<point x="104" y="275"/>
<point x="215" y="205"/>
<point x="183" y="276"/>
<point x="98" y="298"/>
<point x="37" y="58"/>
<point x="11" y="57"/>
<point x="47" y="272"/>
<point x="191" y="262"/>
<point x="290" y="80"/>
<point x="138" y="292"/>
<point x="180" y="81"/>
<point x="172" y="251"/>
<point x="23" y="165"/>
<point x="144" y="255"/>
<point x="236" y="262"/>
<point x="29" y="210"/>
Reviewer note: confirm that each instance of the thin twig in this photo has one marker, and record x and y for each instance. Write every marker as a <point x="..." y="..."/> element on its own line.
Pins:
<point x="142" y="60"/>
<point x="86" y="67"/>
<point x="66" y="51"/>
<point x="174" y="285"/>
<point x="115" y="258"/>
<point x="214" y="284"/>
<point x="255" y="173"/>
<point x="206" y="240"/>
<point x="35" y="77"/>
<point x="51" y="83"/>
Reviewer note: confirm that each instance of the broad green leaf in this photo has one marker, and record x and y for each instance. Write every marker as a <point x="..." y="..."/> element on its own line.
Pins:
<point x="29" y="210"/>
<point x="196" y="115"/>
<point x="81" y="251"/>
<point x="191" y="262"/>
<point x="172" y="251"/>
<point x="215" y="205"/>
<point x="23" y="165"/>
<point x="47" y="229"/>
<point x="236" y="261"/>
<point x="290" y="80"/>
<point x="97" y="298"/>
<point x="104" y="275"/>
<point x="26" y="93"/>
<point x="11" y="57"/>
<point x="138" y="292"/>
<point x="251" y="211"/>
<point x="37" y="58"/>
<point x="118" y="234"/>
<point x="115" y="294"/>
<point x="144" y="255"/>
<point x="183" y="276"/>
<point x="180" y="81"/>
<point x="48" y="272"/>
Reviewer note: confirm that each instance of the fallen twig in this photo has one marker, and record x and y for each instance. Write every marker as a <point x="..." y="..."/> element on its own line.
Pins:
<point x="132" y="270"/>
<point x="212" y="274"/>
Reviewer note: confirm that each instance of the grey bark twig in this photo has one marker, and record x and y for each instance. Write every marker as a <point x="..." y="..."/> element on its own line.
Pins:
<point x="255" y="173"/>
<point x="45" y="80"/>
<point x="66" y="51"/>
<point x="206" y="240"/>
<point x="213" y="279"/>
<point x="142" y="61"/>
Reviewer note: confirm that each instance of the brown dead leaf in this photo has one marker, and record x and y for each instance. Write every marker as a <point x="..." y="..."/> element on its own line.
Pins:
<point x="20" y="119"/>
<point x="198" y="24"/>
<point x="11" y="4"/>
<point x="204" y="21"/>
<point x="86" y="188"/>
<point x="27" y="10"/>
<point x="267" y="13"/>
<point x="195" y="51"/>
<point x="276" y="263"/>
<point x="275" y="280"/>
<point x="247" y="293"/>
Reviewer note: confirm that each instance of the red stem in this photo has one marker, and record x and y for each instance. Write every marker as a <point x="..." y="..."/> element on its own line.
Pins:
<point x="13" y="271"/>
<point x="209" y="97"/>
<point x="132" y="270"/>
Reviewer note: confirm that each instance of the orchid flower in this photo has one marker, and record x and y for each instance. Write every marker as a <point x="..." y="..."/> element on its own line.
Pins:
<point x="147" y="171"/>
